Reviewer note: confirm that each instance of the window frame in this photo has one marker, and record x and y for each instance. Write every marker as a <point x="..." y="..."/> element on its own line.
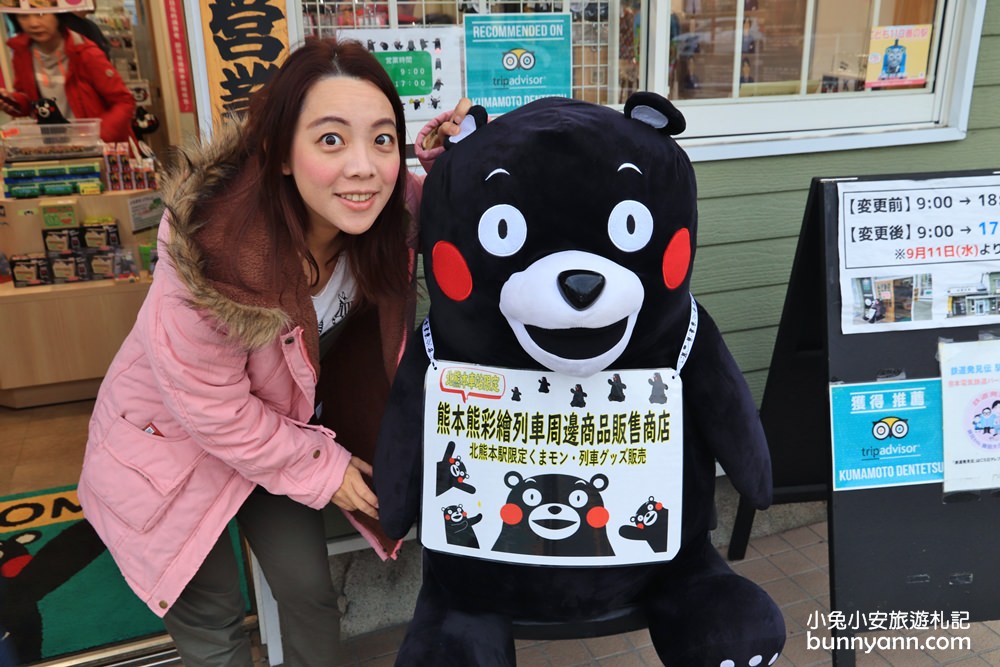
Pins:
<point x="920" y="116"/>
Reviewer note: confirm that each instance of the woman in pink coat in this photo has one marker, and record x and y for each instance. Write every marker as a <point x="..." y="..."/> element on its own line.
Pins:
<point x="282" y="297"/>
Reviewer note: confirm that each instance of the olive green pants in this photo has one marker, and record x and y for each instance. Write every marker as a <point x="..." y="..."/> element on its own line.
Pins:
<point x="206" y="622"/>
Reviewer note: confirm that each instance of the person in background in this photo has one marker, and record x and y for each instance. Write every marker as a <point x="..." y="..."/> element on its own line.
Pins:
<point x="284" y="293"/>
<point x="52" y="61"/>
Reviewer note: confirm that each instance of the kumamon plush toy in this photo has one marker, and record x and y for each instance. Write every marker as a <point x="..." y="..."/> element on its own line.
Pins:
<point x="556" y="426"/>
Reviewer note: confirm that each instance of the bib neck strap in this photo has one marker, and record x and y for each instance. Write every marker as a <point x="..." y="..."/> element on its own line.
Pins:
<point x="425" y="329"/>
<point x="689" y="336"/>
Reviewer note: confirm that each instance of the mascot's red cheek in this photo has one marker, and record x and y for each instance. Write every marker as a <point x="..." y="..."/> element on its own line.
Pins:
<point x="677" y="259"/>
<point x="659" y="506"/>
<point x="451" y="272"/>
<point x="511" y="514"/>
<point x="597" y="517"/>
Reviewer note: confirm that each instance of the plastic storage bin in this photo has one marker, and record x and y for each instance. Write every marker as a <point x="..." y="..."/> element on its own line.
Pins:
<point x="24" y="139"/>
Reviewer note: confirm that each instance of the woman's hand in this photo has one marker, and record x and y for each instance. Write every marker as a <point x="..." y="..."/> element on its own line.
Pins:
<point x="354" y="493"/>
<point x="449" y="127"/>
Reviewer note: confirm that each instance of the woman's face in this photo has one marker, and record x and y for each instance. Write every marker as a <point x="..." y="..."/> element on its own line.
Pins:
<point x="41" y="27"/>
<point x="344" y="155"/>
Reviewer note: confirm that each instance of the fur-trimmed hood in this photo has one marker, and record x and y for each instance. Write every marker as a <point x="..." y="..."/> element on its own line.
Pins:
<point x="209" y="193"/>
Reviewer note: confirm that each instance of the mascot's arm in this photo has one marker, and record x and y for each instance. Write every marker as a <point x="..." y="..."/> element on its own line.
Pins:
<point x="398" y="452"/>
<point x="727" y="419"/>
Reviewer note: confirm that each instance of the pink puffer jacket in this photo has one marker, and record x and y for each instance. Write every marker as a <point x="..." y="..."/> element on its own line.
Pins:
<point x="210" y="395"/>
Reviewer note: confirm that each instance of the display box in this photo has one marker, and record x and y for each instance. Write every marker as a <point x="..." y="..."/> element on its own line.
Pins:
<point x="101" y="263"/>
<point x="67" y="238"/>
<point x="59" y="213"/>
<point x="30" y="270"/>
<point x="24" y="139"/>
<point x="68" y="267"/>
<point x="100" y="232"/>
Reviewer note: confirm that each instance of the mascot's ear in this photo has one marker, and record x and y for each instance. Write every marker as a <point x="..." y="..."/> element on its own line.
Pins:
<point x="656" y="111"/>
<point x="475" y="119"/>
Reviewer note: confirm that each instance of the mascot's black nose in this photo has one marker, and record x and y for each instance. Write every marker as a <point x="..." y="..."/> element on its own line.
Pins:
<point x="580" y="288"/>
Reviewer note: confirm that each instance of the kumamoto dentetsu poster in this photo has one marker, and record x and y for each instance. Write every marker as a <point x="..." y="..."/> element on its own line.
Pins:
<point x="970" y="381"/>
<point x="537" y="467"/>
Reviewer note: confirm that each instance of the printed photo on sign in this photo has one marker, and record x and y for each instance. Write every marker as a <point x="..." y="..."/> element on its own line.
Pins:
<point x="886" y="434"/>
<point x="970" y="380"/>
<point x="919" y="254"/>
<point x="537" y="467"/>
<point x="892" y="299"/>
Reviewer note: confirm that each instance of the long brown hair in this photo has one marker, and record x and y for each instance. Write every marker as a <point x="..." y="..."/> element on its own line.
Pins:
<point x="378" y="257"/>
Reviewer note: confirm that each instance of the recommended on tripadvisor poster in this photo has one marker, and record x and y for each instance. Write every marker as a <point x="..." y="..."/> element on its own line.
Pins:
<point x="513" y="59"/>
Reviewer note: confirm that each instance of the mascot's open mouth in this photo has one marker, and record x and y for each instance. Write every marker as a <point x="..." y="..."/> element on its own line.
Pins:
<point x="578" y="343"/>
<point x="554" y="524"/>
<point x="576" y="328"/>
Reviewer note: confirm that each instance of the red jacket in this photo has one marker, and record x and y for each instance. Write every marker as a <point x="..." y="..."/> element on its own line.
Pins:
<point x="94" y="88"/>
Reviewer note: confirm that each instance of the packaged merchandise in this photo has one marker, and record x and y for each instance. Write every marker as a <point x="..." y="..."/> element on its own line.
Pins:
<point x="101" y="263"/>
<point x="66" y="238"/>
<point x="100" y="231"/>
<point x="30" y="270"/>
<point x="68" y="267"/>
<point x="59" y="213"/>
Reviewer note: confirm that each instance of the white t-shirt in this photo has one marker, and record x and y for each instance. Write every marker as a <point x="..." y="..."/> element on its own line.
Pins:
<point x="334" y="301"/>
<point x="50" y="76"/>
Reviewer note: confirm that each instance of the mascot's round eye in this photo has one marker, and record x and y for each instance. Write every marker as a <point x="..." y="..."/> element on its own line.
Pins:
<point x="532" y="497"/>
<point x="630" y="225"/>
<point x="578" y="498"/>
<point x="502" y="230"/>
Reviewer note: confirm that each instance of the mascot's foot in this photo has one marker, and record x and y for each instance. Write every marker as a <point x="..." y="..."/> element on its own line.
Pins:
<point x="439" y="636"/>
<point x="715" y="618"/>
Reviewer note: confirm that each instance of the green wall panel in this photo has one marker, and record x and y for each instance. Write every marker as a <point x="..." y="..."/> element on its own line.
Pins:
<point x="732" y="219"/>
<point x="726" y="268"/>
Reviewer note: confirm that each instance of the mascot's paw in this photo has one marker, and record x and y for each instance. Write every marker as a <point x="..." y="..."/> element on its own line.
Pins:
<point x="761" y="652"/>
<point x="752" y="662"/>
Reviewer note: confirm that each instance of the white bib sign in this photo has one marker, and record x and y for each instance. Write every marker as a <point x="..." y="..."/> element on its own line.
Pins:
<point x="536" y="467"/>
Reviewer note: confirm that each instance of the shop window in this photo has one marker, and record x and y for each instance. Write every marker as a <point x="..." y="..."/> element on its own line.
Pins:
<point x="818" y="74"/>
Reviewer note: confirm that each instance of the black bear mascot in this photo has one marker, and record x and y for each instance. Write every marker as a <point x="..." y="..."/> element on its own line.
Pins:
<point x="558" y="244"/>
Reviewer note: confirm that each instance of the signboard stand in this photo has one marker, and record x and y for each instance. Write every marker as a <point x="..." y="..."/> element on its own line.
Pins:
<point x="901" y="548"/>
<point x="797" y="384"/>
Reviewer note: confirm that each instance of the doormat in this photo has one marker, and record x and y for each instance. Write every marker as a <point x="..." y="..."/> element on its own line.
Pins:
<point x="60" y="591"/>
